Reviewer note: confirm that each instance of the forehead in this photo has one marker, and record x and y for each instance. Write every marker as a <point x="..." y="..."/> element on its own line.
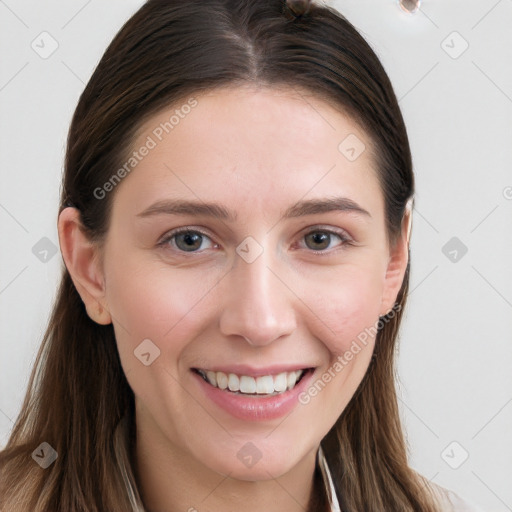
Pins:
<point x="258" y="145"/>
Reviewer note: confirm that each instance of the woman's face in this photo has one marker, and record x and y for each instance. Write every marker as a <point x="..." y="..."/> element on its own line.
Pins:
<point x="264" y="283"/>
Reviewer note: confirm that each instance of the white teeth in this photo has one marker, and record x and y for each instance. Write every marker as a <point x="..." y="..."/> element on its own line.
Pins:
<point x="212" y="378"/>
<point x="247" y="384"/>
<point x="264" y="385"/>
<point x="280" y="382"/>
<point x="222" y="380"/>
<point x="233" y="382"/>
<point x="291" y="378"/>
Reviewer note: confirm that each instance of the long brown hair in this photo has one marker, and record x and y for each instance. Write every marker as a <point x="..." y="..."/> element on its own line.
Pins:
<point x="78" y="397"/>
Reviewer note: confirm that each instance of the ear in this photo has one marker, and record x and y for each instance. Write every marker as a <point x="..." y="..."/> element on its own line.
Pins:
<point x="82" y="259"/>
<point x="397" y="265"/>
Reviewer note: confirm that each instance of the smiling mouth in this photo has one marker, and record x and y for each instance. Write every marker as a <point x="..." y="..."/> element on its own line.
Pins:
<point x="266" y="385"/>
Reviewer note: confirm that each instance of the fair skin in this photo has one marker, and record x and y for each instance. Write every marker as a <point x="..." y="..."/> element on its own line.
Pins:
<point x="256" y="152"/>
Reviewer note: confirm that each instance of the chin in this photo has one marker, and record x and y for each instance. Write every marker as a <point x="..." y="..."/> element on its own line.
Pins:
<point x="260" y="471"/>
<point x="255" y="460"/>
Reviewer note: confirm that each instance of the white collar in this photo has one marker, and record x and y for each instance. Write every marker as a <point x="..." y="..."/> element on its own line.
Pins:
<point x="329" y="486"/>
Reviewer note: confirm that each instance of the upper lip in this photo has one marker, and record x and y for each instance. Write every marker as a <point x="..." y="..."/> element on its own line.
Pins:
<point x="251" y="371"/>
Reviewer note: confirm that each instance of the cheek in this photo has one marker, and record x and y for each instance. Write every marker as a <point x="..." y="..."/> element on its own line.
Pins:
<point x="148" y="302"/>
<point x="350" y="308"/>
<point x="347" y="305"/>
<point x="171" y="313"/>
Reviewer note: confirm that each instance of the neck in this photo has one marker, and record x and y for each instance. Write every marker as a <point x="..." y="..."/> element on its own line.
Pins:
<point x="170" y="480"/>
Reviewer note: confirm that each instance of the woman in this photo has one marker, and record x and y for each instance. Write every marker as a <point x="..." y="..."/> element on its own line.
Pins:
<point x="234" y="223"/>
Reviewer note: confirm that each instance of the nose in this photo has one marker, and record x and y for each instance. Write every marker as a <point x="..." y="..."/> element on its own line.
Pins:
<point x="258" y="304"/>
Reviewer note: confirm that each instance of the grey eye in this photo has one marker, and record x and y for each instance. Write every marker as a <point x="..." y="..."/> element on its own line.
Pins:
<point x="320" y="240"/>
<point x="188" y="241"/>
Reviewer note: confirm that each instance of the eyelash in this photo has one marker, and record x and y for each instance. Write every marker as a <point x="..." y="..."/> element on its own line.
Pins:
<point x="345" y="239"/>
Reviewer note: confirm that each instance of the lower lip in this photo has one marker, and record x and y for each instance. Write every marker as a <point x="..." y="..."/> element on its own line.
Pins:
<point x="259" y="408"/>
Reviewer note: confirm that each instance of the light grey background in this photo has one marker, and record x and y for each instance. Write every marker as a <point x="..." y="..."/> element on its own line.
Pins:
<point x="456" y="347"/>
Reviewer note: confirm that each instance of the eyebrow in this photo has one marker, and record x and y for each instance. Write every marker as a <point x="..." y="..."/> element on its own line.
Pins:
<point x="217" y="211"/>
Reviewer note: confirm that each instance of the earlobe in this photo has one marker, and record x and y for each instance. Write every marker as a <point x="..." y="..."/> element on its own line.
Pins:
<point x="81" y="258"/>
<point x="397" y="265"/>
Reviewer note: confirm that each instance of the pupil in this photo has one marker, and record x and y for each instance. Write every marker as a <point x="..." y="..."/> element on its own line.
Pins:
<point x="319" y="238"/>
<point x="192" y="240"/>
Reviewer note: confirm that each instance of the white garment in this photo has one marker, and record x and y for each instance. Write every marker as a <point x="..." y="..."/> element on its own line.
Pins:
<point x="448" y="500"/>
<point x="331" y="493"/>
